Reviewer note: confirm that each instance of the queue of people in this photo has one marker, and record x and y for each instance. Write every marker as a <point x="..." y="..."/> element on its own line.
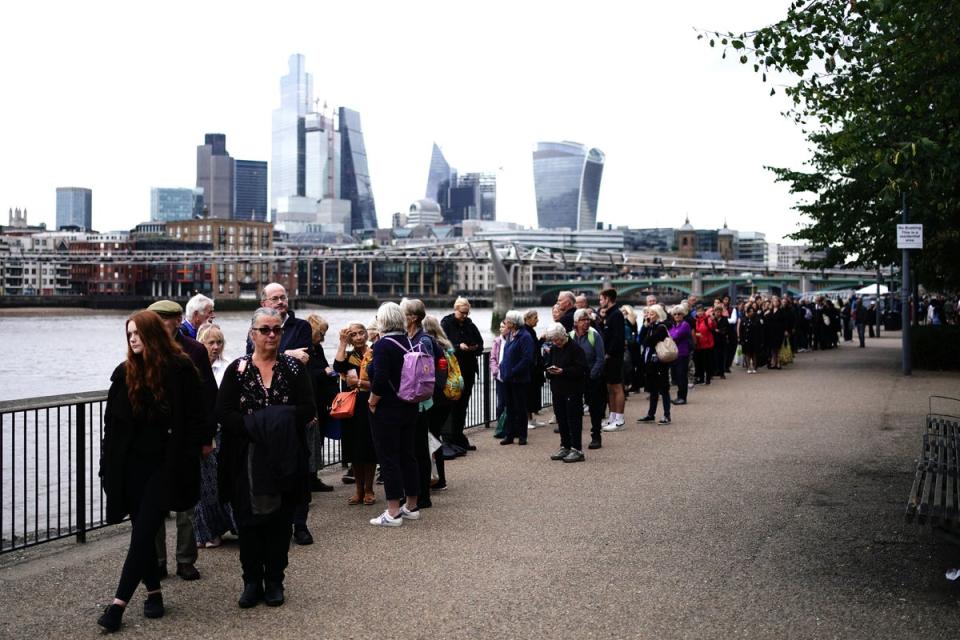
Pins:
<point x="235" y="447"/>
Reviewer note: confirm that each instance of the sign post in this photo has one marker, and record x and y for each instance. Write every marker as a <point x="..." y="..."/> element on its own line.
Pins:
<point x="909" y="236"/>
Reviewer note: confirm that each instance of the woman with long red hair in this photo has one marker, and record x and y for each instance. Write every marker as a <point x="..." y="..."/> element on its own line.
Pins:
<point x="150" y="455"/>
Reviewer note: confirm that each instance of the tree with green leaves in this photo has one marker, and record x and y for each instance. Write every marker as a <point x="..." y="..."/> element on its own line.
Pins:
<point x="875" y="84"/>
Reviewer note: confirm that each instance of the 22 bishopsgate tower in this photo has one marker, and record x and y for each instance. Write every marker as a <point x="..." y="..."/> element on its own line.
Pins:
<point x="315" y="157"/>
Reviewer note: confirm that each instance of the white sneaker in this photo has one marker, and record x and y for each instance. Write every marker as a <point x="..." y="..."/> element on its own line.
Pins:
<point x="613" y="426"/>
<point x="386" y="520"/>
<point x="531" y="426"/>
<point x="406" y="514"/>
<point x="552" y="421"/>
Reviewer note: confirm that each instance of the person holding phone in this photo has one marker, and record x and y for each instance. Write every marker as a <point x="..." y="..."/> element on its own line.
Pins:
<point x="567" y="372"/>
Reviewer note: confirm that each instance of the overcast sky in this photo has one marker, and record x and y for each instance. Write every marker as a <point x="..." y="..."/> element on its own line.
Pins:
<point x="116" y="96"/>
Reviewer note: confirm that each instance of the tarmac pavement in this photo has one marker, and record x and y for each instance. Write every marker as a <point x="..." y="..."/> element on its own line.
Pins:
<point x="772" y="507"/>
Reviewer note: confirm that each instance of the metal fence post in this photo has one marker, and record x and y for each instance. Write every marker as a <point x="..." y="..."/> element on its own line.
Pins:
<point x="487" y="389"/>
<point x="81" y="466"/>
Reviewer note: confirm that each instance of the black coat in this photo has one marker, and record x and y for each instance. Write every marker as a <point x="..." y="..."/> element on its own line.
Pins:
<point x="208" y="382"/>
<point x="468" y="334"/>
<point x="181" y="417"/>
<point x="241" y="395"/>
<point x="571" y="359"/>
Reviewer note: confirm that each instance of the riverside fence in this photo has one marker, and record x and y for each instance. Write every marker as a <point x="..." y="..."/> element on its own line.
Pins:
<point x="50" y="462"/>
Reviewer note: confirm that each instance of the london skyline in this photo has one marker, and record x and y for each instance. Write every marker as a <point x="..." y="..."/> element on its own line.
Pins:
<point x="684" y="132"/>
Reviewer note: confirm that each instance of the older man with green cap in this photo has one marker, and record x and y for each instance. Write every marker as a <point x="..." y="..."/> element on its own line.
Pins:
<point x="171" y="313"/>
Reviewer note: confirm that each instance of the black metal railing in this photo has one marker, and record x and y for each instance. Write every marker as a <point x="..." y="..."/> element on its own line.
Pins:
<point x="50" y="462"/>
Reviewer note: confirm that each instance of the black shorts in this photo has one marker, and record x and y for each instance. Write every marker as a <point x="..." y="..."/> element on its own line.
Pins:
<point x="613" y="369"/>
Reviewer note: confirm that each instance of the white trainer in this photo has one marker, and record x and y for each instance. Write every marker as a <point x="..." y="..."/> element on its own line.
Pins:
<point x="613" y="426"/>
<point x="386" y="520"/>
<point x="406" y="514"/>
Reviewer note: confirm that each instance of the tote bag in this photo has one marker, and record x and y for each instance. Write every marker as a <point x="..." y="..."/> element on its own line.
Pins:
<point x="667" y="350"/>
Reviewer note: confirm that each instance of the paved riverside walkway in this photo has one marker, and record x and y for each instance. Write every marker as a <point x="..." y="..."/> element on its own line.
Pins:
<point x="772" y="507"/>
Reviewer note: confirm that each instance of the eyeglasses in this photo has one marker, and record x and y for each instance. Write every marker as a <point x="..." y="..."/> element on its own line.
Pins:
<point x="266" y="331"/>
<point x="277" y="298"/>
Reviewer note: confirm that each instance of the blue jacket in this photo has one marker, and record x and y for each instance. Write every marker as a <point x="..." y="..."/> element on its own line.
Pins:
<point x="517" y="359"/>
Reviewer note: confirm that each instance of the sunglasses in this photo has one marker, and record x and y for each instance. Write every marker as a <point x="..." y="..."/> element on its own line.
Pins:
<point x="266" y="331"/>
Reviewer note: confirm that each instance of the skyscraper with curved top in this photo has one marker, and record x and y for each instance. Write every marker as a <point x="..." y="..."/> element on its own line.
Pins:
<point x="566" y="178"/>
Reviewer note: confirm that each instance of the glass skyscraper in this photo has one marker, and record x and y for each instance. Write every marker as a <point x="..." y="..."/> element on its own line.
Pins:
<point x="566" y="178"/>
<point x="250" y="190"/>
<point x="313" y="158"/>
<point x="172" y="204"/>
<point x="355" y="179"/>
<point x="289" y="149"/>
<point x="75" y="208"/>
<point x="440" y="177"/>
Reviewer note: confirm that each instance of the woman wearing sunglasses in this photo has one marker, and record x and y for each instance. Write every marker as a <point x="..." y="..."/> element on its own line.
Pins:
<point x="265" y="403"/>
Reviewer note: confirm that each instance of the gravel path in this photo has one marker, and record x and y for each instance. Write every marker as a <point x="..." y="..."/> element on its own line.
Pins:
<point x="772" y="507"/>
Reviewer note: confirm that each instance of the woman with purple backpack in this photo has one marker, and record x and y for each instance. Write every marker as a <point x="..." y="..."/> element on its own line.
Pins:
<point x="393" y="421"/>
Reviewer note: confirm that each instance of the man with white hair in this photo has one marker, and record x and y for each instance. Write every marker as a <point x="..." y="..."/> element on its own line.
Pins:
<point x="567" y="304"/>
<point x="198" y="312"/>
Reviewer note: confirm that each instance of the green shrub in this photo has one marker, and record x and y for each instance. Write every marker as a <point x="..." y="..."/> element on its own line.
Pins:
<point x="936" y="347"/>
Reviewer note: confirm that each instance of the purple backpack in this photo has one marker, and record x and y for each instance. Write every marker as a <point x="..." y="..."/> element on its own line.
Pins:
<point x="418" y="375"/>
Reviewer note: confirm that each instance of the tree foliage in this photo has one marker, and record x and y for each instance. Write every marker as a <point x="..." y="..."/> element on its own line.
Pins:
<point x="875" y="84"/>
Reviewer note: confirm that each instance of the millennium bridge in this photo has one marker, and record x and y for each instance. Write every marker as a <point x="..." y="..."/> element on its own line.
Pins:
<point x="432" y="270"/>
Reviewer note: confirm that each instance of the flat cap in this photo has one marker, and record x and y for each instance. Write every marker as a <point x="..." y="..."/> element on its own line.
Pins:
<point x="166" y="307"/>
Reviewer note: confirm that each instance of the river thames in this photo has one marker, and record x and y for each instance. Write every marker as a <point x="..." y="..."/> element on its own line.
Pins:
<point x="56" y="351"/>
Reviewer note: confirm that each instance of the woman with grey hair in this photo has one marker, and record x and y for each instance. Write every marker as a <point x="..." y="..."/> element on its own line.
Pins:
<point x="535" y="392"/>
<point x="468" y="345"/>
<point x="441" y="406"/>
<point x="392" y="420"/>
<point x="591" y="342"/>
<point x="567" y="372"/>
<point x="657" y="380"/>
<point x="515" y="368"/>
<point x="414" y="312"/>
<point x="264" y="405"/>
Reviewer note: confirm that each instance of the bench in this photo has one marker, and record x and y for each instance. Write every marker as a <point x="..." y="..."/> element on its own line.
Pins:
<point x="935" y="495"/>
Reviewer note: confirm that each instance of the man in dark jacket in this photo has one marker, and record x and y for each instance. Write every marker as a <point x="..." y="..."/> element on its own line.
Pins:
<point x="567" y="303"/>
<point x="172" y="315"/>
<point x="467" y="345"/>
<point x="612" y="330"/>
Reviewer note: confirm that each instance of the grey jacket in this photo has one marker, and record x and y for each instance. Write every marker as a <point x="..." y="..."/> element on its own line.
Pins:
<point x="595" y="352"/>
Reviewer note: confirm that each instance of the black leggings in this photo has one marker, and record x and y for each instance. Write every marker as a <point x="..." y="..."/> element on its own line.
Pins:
<point x="145" y="498"/>
<point x="394" y="431"/>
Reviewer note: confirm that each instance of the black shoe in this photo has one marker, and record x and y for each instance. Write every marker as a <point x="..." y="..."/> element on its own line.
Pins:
<point x="665" y="420"/>
<point x="459" y="450"/>
<point x="575" y="455"/>
<point x="301" y="535"/>
<point x="252" y="594"/>
<point x="507" y="441"/>
<point x="647" y="419"/>
<point x="561" y="453"/>
<point x="556" y="429"/>
<point x="471" y="447"/>
<point x="594" y="444"/>
<point x="424" y="504"/>
<point x="447" y="451"/>
<point x="112" y="618"/>
<point x="153" y="606"/>
<point x="316" y="484"/>
<point x="680" y="401"/>
<point x="522" y="441"/>
<point x="187" y="571"/>
<point x="273" y="594"/>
